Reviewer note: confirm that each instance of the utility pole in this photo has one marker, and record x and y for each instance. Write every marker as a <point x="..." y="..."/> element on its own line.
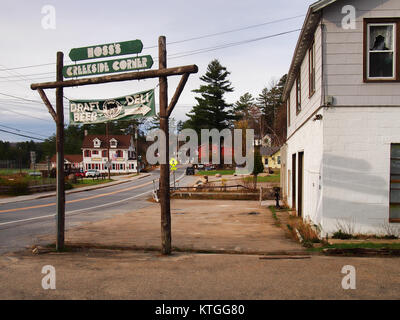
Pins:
<point x="60" y="217"/>
<point x="164" y="167"/>
<point x="108" y="153"/>
<point x="137" y="150"/>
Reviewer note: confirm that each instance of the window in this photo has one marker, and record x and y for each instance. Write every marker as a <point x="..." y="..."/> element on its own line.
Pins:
<point x="288" y="110"/>
<point x="279" y="159"/>
<point x="381" y="50"/>
<point x="104" y="153"/>
<point x="113" y="143"/>
<point x="298" y="95"/>
<point x="394" y="215"/>
<point x="96" y="152"/>
<point x="88" y="153"/>
<point x="311" y="70"/>
<point x="96" y="143"/>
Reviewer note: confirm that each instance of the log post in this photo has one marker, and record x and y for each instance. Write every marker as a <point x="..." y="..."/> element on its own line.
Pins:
<point x="164" y="166"/>
<point x="60" y="217"/>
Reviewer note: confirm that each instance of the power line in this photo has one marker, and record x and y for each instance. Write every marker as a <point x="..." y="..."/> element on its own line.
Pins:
<point x="19" y="130"/>
<point x="230" y="31"/>
<point x="227" y="45"/>
<point x="174" y="42"/>
<point x="25" y="115"/>
<point x="20" y="98"/>
<point x="22" y="135"/>
<point x="28" y="75"/>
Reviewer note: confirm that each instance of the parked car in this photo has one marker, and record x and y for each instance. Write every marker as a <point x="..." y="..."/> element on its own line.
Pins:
<point x="190" y="171"/>
<point x="35" y="174"/>
<point x="209" y="167"/>
<point x="80" y="174"/>
<point x="200" y="166"/>
<point x="93" y="173"/>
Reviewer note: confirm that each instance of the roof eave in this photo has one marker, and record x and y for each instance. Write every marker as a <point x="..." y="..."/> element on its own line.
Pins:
<point x="304" y="41"/>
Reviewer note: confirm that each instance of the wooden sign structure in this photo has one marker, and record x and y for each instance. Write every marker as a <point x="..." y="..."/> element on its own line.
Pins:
<point x="165" y="111"/>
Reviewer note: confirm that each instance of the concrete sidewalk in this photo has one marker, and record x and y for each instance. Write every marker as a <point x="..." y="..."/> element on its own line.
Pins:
<point x="197" y="225"/>
<point x="118" y="180"/>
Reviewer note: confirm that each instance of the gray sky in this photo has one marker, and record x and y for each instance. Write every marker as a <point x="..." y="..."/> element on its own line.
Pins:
<point x="83" y="23"/>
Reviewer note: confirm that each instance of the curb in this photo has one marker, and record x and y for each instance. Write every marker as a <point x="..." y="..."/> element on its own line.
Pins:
<point x="89" y="188"/>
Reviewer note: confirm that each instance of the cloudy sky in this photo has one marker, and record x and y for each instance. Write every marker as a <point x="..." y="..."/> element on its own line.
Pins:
<point x="28" y="51"/>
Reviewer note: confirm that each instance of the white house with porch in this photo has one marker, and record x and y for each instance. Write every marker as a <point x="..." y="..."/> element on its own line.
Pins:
<point x="119" y="150"/>
<point x="343" y="115"/>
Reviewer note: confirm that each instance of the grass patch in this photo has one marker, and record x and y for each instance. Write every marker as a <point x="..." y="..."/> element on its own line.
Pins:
<point x="214" y="172"/>
<point x="90" y="182"/>
<point x="270" y="178"/>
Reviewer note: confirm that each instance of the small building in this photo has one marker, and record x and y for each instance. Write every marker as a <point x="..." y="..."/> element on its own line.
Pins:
<point x="119" y="150"/>
<point x="271" y="157"/>
<point x="71" y="161"/>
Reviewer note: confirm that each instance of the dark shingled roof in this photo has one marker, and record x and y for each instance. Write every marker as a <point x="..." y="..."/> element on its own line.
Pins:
<point x="268" y="151"/>
<point x="73" y="158"/>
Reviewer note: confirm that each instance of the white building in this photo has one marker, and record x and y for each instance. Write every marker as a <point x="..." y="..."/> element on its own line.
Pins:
<point x="343" y="100"/>
<point x="122" y="153"/>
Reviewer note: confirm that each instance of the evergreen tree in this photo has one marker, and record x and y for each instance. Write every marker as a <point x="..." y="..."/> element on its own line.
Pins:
<point x="269" y="100"/>
<point x="258" y="166"/>
<point x="212" y="111"/>
<point x="243" y="105"/>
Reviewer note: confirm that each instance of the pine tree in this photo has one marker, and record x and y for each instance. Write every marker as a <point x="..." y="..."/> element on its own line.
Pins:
<point x="258" y="166"/>
<point x="243" y="105"/>
<point x="269" y="100"/>
<point x="212" y="111"/>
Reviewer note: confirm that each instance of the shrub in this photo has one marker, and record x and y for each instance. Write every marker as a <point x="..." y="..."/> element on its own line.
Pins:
<point x="308" y="232"/>
<point x="68" y="186"/>
<point x="17" y="186"/>
<point x="342" y="235"/>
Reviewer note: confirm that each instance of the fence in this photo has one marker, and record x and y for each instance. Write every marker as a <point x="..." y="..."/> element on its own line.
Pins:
<point x="9" y="164"/>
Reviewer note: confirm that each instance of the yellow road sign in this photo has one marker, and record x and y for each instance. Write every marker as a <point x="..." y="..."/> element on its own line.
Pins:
<point x="173" y="162"/>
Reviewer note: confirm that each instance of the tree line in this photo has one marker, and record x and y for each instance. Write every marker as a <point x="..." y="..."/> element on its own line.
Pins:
<point x="265" y="113"/>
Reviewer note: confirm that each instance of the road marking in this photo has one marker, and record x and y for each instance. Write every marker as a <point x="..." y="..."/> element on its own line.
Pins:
<point x="85" y="209"/>
<point x="74" y="211"/>
<point x="77" y="200"/>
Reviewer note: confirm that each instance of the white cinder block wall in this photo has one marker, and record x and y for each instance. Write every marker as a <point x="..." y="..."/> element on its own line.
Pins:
<point x="356" y="166"/>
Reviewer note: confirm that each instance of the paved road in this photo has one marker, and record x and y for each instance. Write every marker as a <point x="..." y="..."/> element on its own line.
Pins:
<point x="22" y="222"/>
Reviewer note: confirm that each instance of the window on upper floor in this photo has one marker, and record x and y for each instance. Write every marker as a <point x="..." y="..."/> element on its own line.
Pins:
<point x="311" y="69"/>
<point x="381" y="50"/>
<point x="96" y="143"/>
<point x="113" y="143"/>
<point x="104" y="153"/>
<point x="298" y="94"/>
<point x="88" y="153"/>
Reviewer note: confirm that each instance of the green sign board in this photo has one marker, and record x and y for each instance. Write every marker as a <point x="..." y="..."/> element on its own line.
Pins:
<point x="109" y="66"/>
<point x="137" y="105"/>
<point x="106" y="50"/>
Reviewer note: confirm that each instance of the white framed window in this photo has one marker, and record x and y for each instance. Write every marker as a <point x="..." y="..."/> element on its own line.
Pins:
<point x="381" y="56"/>
<point x="381" y="50"/>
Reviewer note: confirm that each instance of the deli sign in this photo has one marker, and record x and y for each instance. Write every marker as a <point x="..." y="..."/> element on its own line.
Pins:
<point x="137" y="105"/>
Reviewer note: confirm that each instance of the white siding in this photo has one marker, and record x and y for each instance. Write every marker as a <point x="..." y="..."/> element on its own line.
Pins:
<point x="308" y="105"/>
<point x="308" y="139"/>
<point x="344" y="55"/>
